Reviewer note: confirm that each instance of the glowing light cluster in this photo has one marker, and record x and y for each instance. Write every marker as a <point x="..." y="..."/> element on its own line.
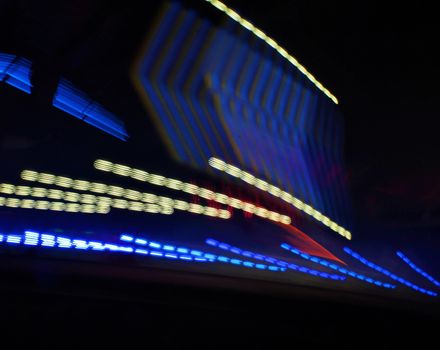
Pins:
<point x="277" y="192"/>
<point x="78" y="104"/>
<point x="31" y="238"/>
<point x="53" y="206"/>
<point x="272" y="43"/>
<point x="178" y="185"/>
<point x="388" y="273"/>
<point x="211" y="257"/>
<point x="116" y="191"/>
<point x="16" y="71"/>
<point x="336" y="267"/>
<point x="418" y="269"/>
<point x="256" y="256"/>
<point x="76" y="197"/>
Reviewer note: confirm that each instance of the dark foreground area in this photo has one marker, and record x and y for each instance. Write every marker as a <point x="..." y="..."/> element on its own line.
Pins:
<point x="61" y="307"/>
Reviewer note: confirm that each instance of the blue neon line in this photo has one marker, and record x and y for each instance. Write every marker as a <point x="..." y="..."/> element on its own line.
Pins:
<point x="284" y="264"/>
<point x="336" y="267"/>
<point x="387" y="273"/>
<point x="196" y="255"/>
<point x="78" y="104"/>
<point x="31" y="238"/>
<point x="16" y="71"/>
<point x="417" y="269"/>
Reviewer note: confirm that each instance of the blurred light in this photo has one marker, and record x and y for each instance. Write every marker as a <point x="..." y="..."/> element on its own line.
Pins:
<point x="271" y="42"/>
<point x="54" y="206"/>
<point x="105" y="165"/>
<point x="164" y="205"/>
<point x="16" y="71"/>
<point x="76" y="103"/>
<point x="387" y="273"/>
<point x="235" y="250"/>
<point x="336" y="267"/>
<point x="31" y="238"/>
<point x="197" y="255"/>
<point x="417" y="269"/>
<point x="287" y="197"/>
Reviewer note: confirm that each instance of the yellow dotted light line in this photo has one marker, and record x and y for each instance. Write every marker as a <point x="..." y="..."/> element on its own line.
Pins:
<point x="116" y="191"/>
<point x="54" y="206"/>
<point x="76" y="197"/>
<point x="271" y="42"/>
<point x="277" y="192"/>
<point x="178" y="185"/>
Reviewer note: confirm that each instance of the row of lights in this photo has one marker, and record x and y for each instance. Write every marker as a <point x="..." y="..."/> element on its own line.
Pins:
<point x="31" y="238"/>
<point x="76" y="197"/>
<point x="197" y="253"/>
<point x="178" y="185"/>
<point x="271" y="42"/>
<point x="11" y="202"/>
<point x="336" y="267"/>
<point x="417" y="269"/>
<point x="388" y="273"/>
<point x="246" y="253"/>
<point x="277" y="192"/>
<point x="117" y="191"/>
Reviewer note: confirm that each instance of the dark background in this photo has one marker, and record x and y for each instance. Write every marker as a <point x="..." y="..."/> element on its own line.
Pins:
<point x="380" y="62"/>
<point x="380" y="59"/>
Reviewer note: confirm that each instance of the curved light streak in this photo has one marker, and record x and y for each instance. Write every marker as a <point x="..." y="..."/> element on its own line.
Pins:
<point x="277" y="192"/>
<point x="272" y="43"/>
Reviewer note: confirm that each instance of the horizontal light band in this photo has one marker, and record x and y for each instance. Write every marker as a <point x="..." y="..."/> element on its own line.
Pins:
<point x="418" y="269"/>
<point x="178" y="185"/>
<point x="388" y="273"/>
<point x="272" y="43"/>
<point x="211" y="257"/>
<point x="282" y="263"/>
<point x="277" y="192"/>
<point x="336" y="267"/>
<point x="32" y="238"/>
<point x="53" y="206"/>
<point x="84" y="198"/>
<point x="116" y="191"/>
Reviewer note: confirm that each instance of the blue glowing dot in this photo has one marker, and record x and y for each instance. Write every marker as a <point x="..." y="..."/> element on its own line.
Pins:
<point x="155" y="245"/>
<point x="140" y="241"/>
<point x="126" y="238"/>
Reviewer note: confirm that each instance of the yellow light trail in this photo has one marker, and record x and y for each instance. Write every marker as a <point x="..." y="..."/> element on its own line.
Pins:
<point x="271" y="42"/>
<point x="53" y="206"/>
<point x="116" y="191"/>
<point x="277" y="192"/>
<point x="158" y="180"/>
<point x="84" y="198"/>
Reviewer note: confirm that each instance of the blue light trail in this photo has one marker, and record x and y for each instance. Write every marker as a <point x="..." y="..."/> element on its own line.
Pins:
<point x="336" y="267"/>
<point x="388" y="273"/>
<point x="282" y="263"/>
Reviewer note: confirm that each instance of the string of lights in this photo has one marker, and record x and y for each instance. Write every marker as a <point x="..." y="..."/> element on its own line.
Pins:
<point x="76" y="197"/>
<point x="272" y="43"/>
<point x="277" y="192"/>
<point x="418" y="269"/>
<point x="388" y="273"/>
<point x="211" y="257"/>
<point x="192" y="189"/>
<point x="116" y="191"/>
<point x="12" y="202"/>
<point x="31" y="238"/>
<point x="336" y="267"/>
<point x="282" y="263"/>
